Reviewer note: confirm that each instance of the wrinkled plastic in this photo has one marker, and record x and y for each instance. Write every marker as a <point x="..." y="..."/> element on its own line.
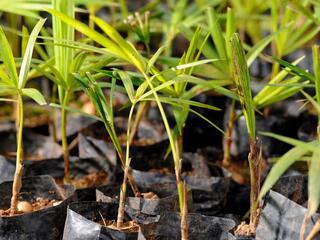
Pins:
<point x="294" y="187"/>
<point x="167" y="201"/>
<point x="43" y="224"/>
<point x="208" y="193"/>
<point x="36" y="146"/>
<point x="94" y="143"/>
<point x="282" y="218"/>
<point x="55" y="168"/>
<point x="167" y="227"/>
<point x="82" y="222"/>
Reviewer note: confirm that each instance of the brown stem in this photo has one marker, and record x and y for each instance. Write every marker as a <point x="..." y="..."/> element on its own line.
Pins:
<point x="255" y="172"/>
<point x="17" y="181"/>
<point x="314" y="231"/>
<point x="131" y="181"/>
<point x="303" y="226"/>
<point x="227" y="137"/>
<point x="180" y="188"/>
<point x="184" y="217"/>
<point x="122" y="197"/>
<point x="17" y="184"/>
<point x="179" y="144"/>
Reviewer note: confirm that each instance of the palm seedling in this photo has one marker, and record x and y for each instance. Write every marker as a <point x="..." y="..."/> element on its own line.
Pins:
<point x="59" y="64"/>
<point x="221" y="70"/>
<point x="105" y="111"/>
<point x="63" y="59"/>
<point x="301" y="151"/>
<point x="242" y="81"/>
<point x="297" y="28"/>
<point x="14" y="85"/>
<point x="118" y="47"/>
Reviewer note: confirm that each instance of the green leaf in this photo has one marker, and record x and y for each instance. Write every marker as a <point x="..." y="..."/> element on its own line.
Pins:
<point x="34" y="94"/>
<point x="25" y="66"/>
<point x="131" y="53"/>
<point x="292" y="141"/>
<point x="242" y="81"/>
<point x="92" y="34"/>
<point x="155" y="57"/>
<point x="216" y="33"/>
<point x="280" y="167"/>
<point x="74" y="110"/>
<point x="313" y="184"/>
<point x="258" y="48"/>
<point x="7" y="58"/>
<point x="294" y="69"/>
<point x="193" y="64"/>
<point x="124" y="76"/>
<point x="7" y="100"/>
<point x="96" y="95"/>
<point x="316" y="69"/>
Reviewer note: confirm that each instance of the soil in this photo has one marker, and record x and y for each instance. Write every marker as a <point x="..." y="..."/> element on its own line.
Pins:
<point x="130" y="226"/>
<point x="93" y="179"/>
<point x="244" y="229"/>
<point x="150" y="196"/>
<point x="38" y="204"/>
<point x="162" y="170"/>
<point x="138" y="142"/>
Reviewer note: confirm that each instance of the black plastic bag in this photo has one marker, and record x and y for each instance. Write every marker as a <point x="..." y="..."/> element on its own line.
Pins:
<point x="282" y="218"/>
<point x="95" y="143"/>
<point x="83" y="222"/>
<point x="43" y="224"/>
<point x="167" y="227"/>
<point x="36" y="146"/>
<point x="54" y="167"/>
<point x="208" y="193"/>
<point x="166" y="201"/>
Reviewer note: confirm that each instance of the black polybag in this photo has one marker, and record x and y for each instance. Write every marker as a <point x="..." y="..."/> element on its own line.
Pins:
<point x="166" y="201"/>
<point x="208" y="193"/>
<point x="282" y="218"/>
<point x="82" y="222"/>
<point x="167" y="227"/>
<point x="43" y="224"/>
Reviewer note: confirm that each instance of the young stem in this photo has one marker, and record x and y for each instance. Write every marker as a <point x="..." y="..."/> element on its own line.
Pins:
<point x="17" y="182"/>
<point x="123" y="190"/>
<point x="53" y="126"/>
<point x="124" y="9"/>
<point x="176" y="159"/>
<point x="184" y="216"/>
<point x="179" y="144"/>
<point x="142" y="109"/>
<point x="175" y="152"/>
<point x="227" y="137"/>
<point x="255" y="168"/>
<point x="65" y="148"/>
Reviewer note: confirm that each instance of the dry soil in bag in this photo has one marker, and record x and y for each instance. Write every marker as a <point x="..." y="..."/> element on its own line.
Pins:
<point x="43" y="224"/>
<point x="167" y="227"/>
<point x="82" y="222"/>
